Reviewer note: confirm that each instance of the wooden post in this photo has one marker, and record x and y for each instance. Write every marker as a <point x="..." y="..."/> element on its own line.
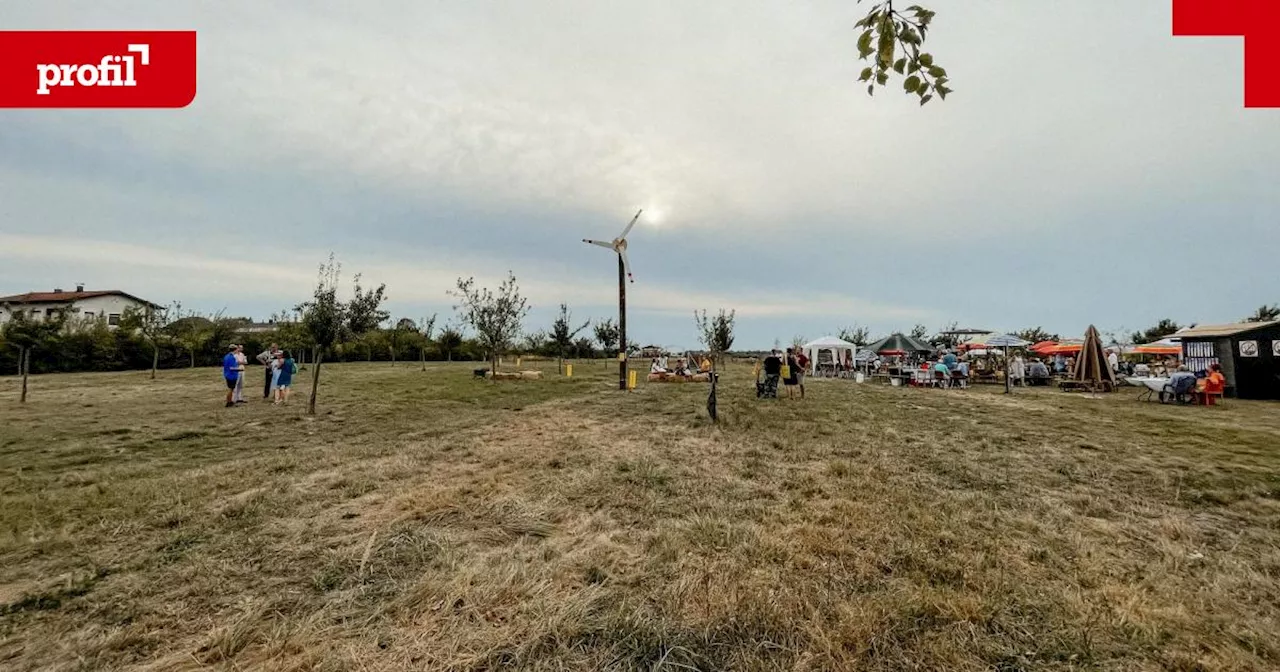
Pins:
<point x="622" y="326"/>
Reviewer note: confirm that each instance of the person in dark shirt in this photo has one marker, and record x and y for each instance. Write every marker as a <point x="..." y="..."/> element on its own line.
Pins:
<point x="793" y="371"/>
<point x="772" y="371"/>
<point x="231" y="374"/>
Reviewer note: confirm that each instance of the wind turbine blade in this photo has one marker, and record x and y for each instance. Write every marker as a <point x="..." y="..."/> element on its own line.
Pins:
<point x="633" y="223"/>
<point x="601" y="243"/>
<point x="626" y="266"/>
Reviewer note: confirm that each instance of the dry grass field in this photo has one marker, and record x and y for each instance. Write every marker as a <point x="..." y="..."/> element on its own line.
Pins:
<point x="426" y="520"/>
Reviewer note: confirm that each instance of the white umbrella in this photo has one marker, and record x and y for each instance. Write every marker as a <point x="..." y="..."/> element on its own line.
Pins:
<point x="1006" y="341"/>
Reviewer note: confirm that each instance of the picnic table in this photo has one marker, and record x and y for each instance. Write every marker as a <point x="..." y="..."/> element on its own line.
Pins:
<point x="1153" y="385"/>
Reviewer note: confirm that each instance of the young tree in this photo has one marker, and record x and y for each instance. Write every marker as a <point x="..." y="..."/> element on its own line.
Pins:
<point x="856" y="335"/>
<point x="450" y="341"/>
<point x="563" y="333"/>
<point x="584" y="348"/>
<point x="919" y="332"/>
<point x="428" y="327"/>
<point x="715" y="333"/>
<point x="606" y="333"/>
<point x="1265" y="314"/>
<point x="150" y="323"/>
<point x="891" y="41"/>
<point x="26" y="332"/>
<point x="495" y="316"/>
<point x="1163" y="328"/>
<point x="327" y="319"/>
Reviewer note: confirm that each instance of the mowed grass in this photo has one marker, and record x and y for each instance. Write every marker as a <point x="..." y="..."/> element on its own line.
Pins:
<point x="426" y="520"/>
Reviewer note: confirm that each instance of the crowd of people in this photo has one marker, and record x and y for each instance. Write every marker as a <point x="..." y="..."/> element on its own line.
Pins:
<point x="278" y="370"/>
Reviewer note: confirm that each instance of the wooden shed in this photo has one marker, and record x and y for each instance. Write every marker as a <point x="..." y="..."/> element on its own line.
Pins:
<point x="1249" y="353"/>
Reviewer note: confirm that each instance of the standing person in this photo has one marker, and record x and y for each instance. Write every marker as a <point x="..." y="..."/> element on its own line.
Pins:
<point x="1113" y="360"/>
<point x="231" y="374"/>
<point x="241" y="361"/>
<point x="276" y="364"/>
<point x="267" y="358"/>
<point x="1018" y="371"/>
<point x="772" y="371"/>
<point x="793" y="370"/>
<point x="802" y="368"/>
<point x="284" y="377"/>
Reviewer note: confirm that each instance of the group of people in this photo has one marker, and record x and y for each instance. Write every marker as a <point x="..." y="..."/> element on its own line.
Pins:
<point x="775" y="366"/>
<point x="681" y="368"/>
<point x="278" y="369"/>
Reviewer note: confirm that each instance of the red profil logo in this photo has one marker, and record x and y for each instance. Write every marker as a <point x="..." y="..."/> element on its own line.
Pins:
<point x="1257" y="21"/>
<point x="97" y="68"/>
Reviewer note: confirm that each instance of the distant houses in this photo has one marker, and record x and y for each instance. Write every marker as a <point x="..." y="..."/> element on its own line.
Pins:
<point x="109" y="304"/>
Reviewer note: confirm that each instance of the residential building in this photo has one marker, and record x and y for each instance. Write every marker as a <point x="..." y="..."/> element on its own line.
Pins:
<point x="109" y="304"/>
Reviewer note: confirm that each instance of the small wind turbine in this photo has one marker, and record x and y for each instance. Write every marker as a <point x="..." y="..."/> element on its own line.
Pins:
<point x="619" y="245"/>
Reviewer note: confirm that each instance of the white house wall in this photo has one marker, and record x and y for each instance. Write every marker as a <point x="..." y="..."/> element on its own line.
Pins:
<point x="100" y="306"/>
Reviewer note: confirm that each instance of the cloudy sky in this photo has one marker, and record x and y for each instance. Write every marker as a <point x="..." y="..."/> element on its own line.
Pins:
<point x="1089" y="168"/>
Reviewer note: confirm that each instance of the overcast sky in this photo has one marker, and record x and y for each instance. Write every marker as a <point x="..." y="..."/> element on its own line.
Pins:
<point x="1089" y="168"/>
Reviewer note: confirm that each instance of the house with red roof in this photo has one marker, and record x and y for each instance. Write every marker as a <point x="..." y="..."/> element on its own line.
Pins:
<point x="108" y="304"/>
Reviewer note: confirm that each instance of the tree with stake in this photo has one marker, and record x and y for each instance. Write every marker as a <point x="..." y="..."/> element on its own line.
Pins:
<point x="150" y="322"/>
<point x="326" y="319"/>
<point x="428" y="326"/>
<point x="607" y="335"/>
<point x="715" y="333"/>
<point x="28" y="333"/>
<point x="563" y="333"/>
<point x="495" y="316"/>
<point x="449" y="342"/>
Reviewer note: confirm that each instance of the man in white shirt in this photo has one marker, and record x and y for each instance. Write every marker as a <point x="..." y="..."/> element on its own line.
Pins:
<point x="1113" y="360"/>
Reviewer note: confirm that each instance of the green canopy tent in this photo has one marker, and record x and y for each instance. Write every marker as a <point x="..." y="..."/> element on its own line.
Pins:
<point x="899" y="344"/>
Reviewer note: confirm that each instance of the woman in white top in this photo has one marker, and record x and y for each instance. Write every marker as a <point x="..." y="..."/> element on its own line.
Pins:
<point x="1018" y="370"/>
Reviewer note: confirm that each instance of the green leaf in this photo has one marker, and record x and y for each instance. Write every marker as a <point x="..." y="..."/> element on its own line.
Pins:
<point x="888" y="43"/>
<point x="866" y="74"/>
<point x="913" y="68"/>
<point x="925" y="100"/>
<point x="911" y="84"/>
<point x="864" y="44"/>
<point x="900" y="65"/>
<point x="882" y="78"/>
<point x="942" y="91"/>
<point x="926" y="60"/>
<point x="871" y="89"/>
<point x="937" y="72"/>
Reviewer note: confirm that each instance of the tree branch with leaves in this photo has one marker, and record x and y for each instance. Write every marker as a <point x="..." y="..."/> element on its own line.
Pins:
<point x="891" y="41"/>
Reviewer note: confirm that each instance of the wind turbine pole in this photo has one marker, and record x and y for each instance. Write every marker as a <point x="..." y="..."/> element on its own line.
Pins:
<point x="622" y="325"/>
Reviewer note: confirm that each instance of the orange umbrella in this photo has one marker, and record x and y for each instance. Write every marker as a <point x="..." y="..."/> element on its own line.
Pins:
<point x="1064" y="349"/>
<point x="1042" y="346"/>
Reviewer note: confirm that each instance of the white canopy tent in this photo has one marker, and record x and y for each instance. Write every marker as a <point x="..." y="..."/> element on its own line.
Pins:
<point x="837" y="346"/>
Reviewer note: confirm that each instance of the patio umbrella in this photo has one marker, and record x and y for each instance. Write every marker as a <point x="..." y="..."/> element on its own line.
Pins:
<point x="1006" y="341"/>
<point x="1092" y="367"/>
<point x="1042" y="347"/>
